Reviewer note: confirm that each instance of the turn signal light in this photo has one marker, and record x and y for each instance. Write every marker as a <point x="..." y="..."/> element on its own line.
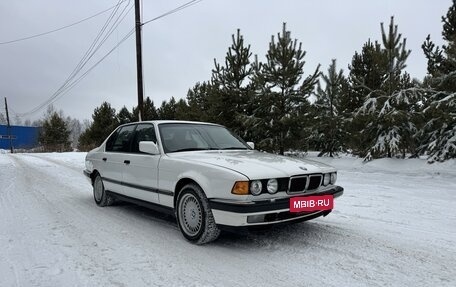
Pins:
<point x="240" y="188"/>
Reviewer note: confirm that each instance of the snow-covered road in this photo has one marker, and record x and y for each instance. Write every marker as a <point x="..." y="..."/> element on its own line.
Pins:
<point x="394" y="226"/>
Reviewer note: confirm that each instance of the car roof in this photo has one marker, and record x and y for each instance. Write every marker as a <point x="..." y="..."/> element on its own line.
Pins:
<point x="172" y="122"/>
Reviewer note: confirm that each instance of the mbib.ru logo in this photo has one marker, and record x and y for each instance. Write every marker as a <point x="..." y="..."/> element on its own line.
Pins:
<point x="311" y="203"/>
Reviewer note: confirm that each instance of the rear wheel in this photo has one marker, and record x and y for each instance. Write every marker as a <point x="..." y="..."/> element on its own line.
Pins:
<point x="194" y="216"/>
<point x="99" y="193"/>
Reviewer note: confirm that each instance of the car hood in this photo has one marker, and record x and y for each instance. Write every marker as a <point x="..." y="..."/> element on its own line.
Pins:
<point x="255" y="164"/>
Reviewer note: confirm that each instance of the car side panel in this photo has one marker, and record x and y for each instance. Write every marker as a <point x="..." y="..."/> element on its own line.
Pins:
<point x="140" y="177"/>
<point x="215" y="181"/>
<point x="111" y="172"/>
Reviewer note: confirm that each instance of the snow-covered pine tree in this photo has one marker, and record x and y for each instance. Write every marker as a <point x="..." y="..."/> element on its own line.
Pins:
<point x="391" y="107"/>
<point x="367" y="71"/>
<point x="281" y="94"/>
<point x="329" y="122"/>
<point x="439" y="132"/>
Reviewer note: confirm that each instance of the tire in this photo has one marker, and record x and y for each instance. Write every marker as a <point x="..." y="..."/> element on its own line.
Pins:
<point x="194" y="216"/>
<point x="99" y="193"/>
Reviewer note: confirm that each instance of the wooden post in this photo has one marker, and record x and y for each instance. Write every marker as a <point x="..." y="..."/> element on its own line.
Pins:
<point x="139" y="70"/>
<point x="8" y="126"/>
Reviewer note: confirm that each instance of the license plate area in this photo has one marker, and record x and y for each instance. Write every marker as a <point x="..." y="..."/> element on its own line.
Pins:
<point x="311" y="203"/>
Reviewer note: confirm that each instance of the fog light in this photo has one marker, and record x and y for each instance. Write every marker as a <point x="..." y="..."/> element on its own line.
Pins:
<point x="272" y="186"/>
<point x="326" y="179"/>
<point x="255" y="218"/>
<point x="255" y="187"/>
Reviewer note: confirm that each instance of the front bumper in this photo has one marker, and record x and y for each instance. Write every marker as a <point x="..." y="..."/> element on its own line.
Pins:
<point x="88" y="175"/>
<point x="266" y="212"/>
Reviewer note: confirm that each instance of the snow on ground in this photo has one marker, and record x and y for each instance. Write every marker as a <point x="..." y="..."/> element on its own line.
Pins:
<point x="394" y="226"/>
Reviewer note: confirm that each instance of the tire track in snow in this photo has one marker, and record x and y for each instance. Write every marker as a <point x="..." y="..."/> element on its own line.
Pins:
<point x="8" y="181"/>
<point x="130" y="227"/>
<point x="44" y="218"/>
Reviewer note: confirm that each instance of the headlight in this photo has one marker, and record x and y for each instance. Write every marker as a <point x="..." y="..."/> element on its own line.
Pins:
<point x="326" y="179"/>
<point x="272" y="186"/>
<point x="333" y="177"/>
<point x="255" y="187"/>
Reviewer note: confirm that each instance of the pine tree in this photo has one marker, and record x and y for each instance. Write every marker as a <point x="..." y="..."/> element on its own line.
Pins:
<point x="231" y="89"/>
<point x="167" y="110"/>
<point x="366" y="76"/>
<point x="281" y="94"/>
<point x="389" y="108"/>
<point x="182" y="110"/>
<point x="150" y="112"/>
<point x="198" y="102"/>
<point x="55" y="134"/>
<point x="124" y="116"/>
<point x="329" y="120"/>
<point x="439" y="133"/>
<point x="104" y="122"/>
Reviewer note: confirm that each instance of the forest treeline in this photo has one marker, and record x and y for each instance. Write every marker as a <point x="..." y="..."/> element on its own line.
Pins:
<point x="373" y="109"/>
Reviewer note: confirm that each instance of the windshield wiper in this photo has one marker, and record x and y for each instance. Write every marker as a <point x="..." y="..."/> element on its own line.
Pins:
<point x="233" y="147"/>
<point x="190" y="149"/>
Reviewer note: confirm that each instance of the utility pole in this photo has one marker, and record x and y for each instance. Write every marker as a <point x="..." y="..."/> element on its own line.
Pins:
<point x="8" y="126"/>
<point x="139" y="69"/>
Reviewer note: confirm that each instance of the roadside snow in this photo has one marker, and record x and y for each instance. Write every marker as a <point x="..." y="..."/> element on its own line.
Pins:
<point x="394" y="226"/>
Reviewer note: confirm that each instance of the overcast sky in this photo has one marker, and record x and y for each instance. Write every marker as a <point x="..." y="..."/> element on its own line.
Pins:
<point x="179" y="50"/>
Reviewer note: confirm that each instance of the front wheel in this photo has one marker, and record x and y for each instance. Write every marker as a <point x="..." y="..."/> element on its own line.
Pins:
<point x="194" y="216"/>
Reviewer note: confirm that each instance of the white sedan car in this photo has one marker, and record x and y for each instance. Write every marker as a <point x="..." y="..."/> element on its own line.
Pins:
<point x="208" y="177"/>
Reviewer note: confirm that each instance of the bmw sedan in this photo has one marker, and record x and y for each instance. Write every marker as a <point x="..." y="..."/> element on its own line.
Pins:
<point x="207" y="177"/>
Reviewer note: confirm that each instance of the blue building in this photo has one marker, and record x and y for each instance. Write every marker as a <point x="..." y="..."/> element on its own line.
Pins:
<point x="22" y="137"/>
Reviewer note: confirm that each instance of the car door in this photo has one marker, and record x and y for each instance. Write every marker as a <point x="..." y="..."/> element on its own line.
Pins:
<point x="140" y="172"/>
<point x="113" y="159"/>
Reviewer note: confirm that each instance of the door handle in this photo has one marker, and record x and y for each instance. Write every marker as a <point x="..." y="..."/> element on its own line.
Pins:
<point x="104" y="159"/>
<point x="126" y="161"/>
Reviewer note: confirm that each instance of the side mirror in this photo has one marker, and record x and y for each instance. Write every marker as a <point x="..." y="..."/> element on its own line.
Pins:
<point x="251" y="144"/>
<point x="148" y="147"/>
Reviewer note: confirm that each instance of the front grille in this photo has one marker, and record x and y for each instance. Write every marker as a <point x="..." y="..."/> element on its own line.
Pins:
<point x="302" y="183"/>
<point x="315" y="181"/>
<point x="298" y="184"/>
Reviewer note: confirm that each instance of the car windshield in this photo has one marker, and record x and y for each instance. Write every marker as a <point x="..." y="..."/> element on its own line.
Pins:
<point x="177" y="137"/>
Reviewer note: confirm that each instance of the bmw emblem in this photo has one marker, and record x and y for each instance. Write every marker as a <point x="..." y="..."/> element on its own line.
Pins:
<point x="303" y="168"/>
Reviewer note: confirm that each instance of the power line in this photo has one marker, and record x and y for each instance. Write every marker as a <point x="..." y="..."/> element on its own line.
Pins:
<point x="59" y="29"/>
<point x="67" y="86"/>
<point x="177" y="9"/>
<point x="93" y="48"/>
